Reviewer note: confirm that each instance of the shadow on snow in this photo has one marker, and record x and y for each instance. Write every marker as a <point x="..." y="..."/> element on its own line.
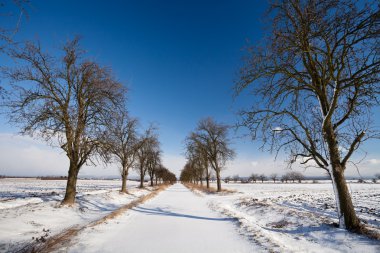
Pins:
<point x="160" y="211"/>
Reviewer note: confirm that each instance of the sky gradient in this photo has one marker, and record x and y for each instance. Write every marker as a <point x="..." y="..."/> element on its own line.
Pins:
<point x="179" y="60"/>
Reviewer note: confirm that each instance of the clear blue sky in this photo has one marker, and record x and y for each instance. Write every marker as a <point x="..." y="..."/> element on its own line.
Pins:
<point x="178" y="58"/>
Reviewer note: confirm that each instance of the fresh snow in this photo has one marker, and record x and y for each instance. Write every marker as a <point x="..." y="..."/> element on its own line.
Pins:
<point x="298" y="217"/>
<point x="29" y="208"/>
<point x="260" y="217"/>
<point x="175" y="221"/>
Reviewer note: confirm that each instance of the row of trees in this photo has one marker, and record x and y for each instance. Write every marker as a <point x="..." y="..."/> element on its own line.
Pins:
<point x="122" y="144"/>
<point x="207" y="148"/>
<point x="73" y="102"/>
<point x="253" y="178"/>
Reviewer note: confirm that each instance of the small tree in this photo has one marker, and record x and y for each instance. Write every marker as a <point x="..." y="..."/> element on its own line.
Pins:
<point x="273" y="176"/>
<point x="236" y="178"/>
<point x="285" y="178"/>
<point x="144" y="152"/>
<point x="168" y="177"/>
<point x="253" y="177"/>
<point x="65" y="100"/>
<point x="121" y="143"/>
<point x="197" y="157"/>
<point x="154" y="158"/>
<point x="298" y="176"/>
<point x="262" y="177"/>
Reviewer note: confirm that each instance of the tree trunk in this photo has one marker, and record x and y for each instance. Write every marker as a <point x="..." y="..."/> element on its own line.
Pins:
<point x="151" y="181"/>
<point x="218" y="182"/>
<point x="71" y="186"/>
<point x="124" y="176"/>
<point x="346" y="211"/>
<point x="141" y="180"/>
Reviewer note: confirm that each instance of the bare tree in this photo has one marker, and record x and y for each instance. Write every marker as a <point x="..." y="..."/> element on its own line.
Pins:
<point x="160" y="173"/>
<point x="262" y="177"/>
<point x="273" y="176"/>
<point x="298" y="176"/>
<point x="121" y="143"/>
<point x="197" y="156"/>
<point x="154" y="158"/>
<point x="253" y="177"/>
<point x="63" y="100"/>
<point x="167" y="176"/>
<point x="188" y="173"/>
<point x="146" y="141"/>
<point x="316" y="78"/>
<point x="285" y="178"/>
<point x="213" y="138"/>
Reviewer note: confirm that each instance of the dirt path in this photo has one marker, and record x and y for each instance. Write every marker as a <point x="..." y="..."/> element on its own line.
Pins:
<point x="175" y="221"/>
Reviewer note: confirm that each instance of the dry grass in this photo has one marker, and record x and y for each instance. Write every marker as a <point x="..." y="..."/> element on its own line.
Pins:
<point x="212" y="190"/>
<point x="55" y="242"/>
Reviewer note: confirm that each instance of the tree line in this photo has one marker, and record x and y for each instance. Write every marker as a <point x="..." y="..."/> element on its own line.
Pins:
<point x="73" y="102"/>
<point x="207" y="150"/>
<point x="293" y="176"/>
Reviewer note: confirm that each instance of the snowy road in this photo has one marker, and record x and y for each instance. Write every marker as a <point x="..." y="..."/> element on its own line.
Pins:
<point x="175" y="221"/>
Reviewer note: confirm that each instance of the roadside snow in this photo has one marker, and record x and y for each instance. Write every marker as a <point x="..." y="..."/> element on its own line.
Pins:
<point x="12" y="203"/>
<point x="298" y="217"/>
<point x="29" y="208"/>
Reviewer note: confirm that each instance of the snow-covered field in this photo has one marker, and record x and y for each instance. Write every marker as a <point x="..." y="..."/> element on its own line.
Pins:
<point x="29" y="208"/>
<point x="253" y="218"/>
<point x="298" y="217"/>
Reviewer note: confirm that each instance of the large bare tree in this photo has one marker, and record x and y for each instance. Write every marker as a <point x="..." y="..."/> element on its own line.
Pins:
<point x="121" y="143"/>
<point x="63" y="100"/>
<point x="315" y="79"/>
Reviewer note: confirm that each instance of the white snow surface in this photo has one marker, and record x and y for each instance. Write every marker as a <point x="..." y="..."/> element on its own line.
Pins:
<point x="298" y="217"/>
<point x="176" y="220"/>
<point x="29" y="208"/>
<point x="259" y="217"/>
